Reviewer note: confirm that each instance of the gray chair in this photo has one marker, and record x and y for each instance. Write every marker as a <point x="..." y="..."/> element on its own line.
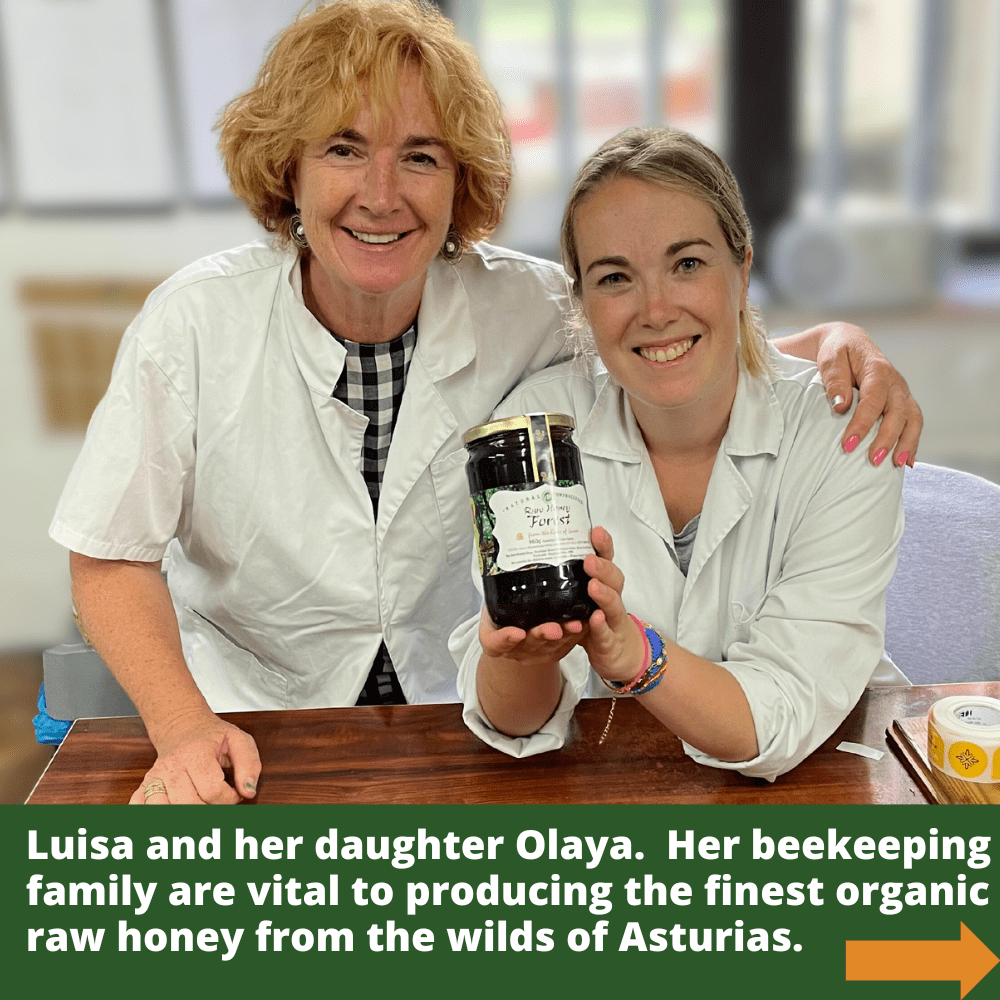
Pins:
<point x="943" y="604"/>
<point x="79" y="686"/>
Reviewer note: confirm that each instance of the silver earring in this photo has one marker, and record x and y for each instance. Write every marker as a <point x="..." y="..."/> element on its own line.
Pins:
<point x="298" y="232"/>
<point x="452" y="249"/>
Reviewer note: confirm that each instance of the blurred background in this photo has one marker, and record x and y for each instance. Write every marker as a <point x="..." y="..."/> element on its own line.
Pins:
<point x="865" y="135"/>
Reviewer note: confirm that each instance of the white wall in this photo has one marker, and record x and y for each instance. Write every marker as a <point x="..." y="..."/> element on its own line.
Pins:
<point x="34" y="463"/>
<point x="951" y="360"/>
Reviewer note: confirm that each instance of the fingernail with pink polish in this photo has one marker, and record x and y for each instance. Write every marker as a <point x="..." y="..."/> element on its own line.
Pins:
<point x="879" y="455"/>
<point x="901" y="461"/>
<point x="851" y="443"/>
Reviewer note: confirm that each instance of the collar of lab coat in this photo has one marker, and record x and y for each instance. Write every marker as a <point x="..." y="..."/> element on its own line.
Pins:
<point x="755" y="428"/>
<point x="755" y="424"/>
<point x="445" y="343"/>
<point x="445" y="339"/>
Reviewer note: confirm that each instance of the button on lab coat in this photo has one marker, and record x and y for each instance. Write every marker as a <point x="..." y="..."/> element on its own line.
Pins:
<point x="795" y="548"/>
<point x="219" y="445"/>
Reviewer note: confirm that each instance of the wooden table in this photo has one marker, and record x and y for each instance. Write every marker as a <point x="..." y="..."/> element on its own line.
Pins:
<point x="425" y="754"/>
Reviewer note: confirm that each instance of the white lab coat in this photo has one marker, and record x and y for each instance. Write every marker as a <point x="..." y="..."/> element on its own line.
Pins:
<point x="796" y="545"/>
<point x="219" y="444"/>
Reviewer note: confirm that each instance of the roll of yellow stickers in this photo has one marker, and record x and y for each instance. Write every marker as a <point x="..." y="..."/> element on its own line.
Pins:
<point x="963" y="737"/>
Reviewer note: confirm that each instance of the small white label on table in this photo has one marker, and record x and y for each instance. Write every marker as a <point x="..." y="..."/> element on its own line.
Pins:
<point x="861" y="750"/>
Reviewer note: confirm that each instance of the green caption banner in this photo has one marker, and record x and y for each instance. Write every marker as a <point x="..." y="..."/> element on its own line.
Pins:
<point x="490" y="900"/>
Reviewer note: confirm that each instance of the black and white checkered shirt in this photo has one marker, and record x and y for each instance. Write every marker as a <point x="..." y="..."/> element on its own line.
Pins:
<point x="372" y="383"/>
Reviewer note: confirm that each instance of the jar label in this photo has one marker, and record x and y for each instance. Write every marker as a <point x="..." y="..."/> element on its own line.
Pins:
<point x="545" y="525"/>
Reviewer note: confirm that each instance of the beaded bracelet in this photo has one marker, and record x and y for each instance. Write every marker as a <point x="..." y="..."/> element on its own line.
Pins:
<point x="654" y="666"/>
<point x="654" y="663"/>
<point x="658" y="666"/>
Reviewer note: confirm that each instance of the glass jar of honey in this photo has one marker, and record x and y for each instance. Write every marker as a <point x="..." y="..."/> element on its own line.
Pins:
<point x="532" y="524"/>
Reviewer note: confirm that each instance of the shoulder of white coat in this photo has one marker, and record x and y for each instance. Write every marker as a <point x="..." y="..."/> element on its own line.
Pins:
<point x="519" y="268"/>
<point x="813" y="432"/>
<point x="252" y="259"/>
<point x="220" y="299"/>
<point x="798" y="388"/>
<point x="570" y="387"/>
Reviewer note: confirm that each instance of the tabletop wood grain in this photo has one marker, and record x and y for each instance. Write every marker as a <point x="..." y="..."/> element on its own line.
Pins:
<point x="425" y="754"/>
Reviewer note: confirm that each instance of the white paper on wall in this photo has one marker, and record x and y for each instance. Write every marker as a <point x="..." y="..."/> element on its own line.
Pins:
<point x="219" y="45"/>
<point x="4" y="192"/>
<point x="88" y="119"/>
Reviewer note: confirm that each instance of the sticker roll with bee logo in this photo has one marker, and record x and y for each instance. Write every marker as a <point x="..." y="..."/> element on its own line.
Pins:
<point x="963" y="737"/>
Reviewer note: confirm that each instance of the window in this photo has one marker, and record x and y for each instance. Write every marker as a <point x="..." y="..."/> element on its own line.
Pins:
<point x="573" y="74"/>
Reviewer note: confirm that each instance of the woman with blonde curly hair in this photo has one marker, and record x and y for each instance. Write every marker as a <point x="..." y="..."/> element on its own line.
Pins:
<point x="282" y="430"/>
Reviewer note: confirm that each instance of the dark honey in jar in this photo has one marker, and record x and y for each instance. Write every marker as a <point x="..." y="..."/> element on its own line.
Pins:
<point x="532" y="524"/>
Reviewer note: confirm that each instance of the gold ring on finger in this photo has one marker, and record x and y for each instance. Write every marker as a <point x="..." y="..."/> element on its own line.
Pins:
<point x="154" y="787"/>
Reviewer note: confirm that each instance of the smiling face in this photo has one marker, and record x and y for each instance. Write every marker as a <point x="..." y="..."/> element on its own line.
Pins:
<point x="661" y="293"/>
<point x="376" y="205"/>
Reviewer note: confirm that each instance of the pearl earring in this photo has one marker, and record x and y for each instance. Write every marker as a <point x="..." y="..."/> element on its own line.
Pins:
<point x="452" y="249"/>
<point x="298" y="232"/>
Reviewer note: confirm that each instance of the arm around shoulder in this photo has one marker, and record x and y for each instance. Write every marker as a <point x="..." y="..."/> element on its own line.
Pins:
<point x="846" y="356"/>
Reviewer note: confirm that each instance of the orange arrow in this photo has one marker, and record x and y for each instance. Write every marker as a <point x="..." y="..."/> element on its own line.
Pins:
<point x="966" y="960"/>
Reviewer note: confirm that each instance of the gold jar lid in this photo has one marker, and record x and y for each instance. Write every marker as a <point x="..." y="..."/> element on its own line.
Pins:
<point x="520" y="422"/>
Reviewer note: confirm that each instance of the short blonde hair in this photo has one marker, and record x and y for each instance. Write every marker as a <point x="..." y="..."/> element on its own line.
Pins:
<point x="311" y="85"/>
<point x="676" y="160"/>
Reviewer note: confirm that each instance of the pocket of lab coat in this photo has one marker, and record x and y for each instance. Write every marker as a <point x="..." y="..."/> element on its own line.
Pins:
<point x="451" y="494"/>
<point x="232" y="678"/>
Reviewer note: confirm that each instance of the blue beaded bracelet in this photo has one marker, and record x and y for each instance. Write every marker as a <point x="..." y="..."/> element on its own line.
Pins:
<point x="655" y="662"/>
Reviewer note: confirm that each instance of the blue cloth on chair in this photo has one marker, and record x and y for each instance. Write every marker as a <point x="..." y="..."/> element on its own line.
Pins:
<point x="47" y="729"/>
